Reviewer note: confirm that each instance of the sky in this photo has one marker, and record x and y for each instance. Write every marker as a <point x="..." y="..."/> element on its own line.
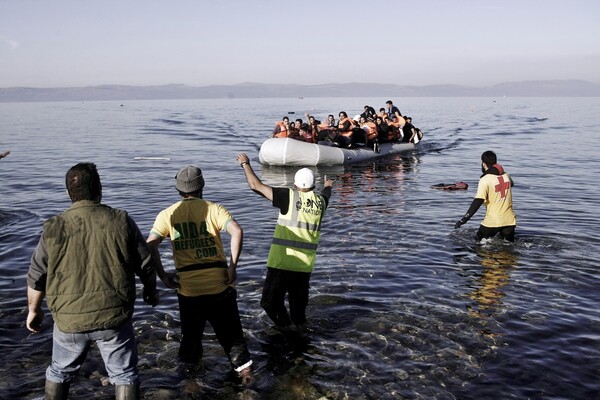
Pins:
<point x="73" y="43"/>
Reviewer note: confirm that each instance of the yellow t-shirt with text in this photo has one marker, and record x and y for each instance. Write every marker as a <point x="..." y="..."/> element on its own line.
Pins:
<point x="194" y="227"/>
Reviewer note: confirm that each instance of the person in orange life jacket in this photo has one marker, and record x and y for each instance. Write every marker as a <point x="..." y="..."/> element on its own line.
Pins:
<point x="383" y="130"/>
<point x="328" y="131"/>
<point x="293" y="249"/>
<point x="370" y="132"/>
<point x="313" y="127"/>
<point x="281" y="128"/>
<point x="203" y="278"/>
<point x="495" y="191"/>
<point x="349" y="132"/>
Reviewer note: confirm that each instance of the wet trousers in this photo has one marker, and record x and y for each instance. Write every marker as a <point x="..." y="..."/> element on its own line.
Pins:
<point x="278" y="283"/>
<point x="221" y="311"/>
<point x="505" y="232"/>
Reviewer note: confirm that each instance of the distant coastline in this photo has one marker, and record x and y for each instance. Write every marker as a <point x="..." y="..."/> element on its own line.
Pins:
<point x="553" y="88"/>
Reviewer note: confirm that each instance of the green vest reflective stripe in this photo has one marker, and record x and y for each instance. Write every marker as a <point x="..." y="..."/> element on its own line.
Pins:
<point x="295" y="243"/>
<point x="297" y="233"/>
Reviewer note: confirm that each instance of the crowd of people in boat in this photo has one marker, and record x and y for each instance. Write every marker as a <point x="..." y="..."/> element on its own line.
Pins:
<point x="368" y="129"/>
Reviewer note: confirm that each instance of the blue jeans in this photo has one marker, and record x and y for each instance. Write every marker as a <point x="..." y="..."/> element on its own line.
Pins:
<point x="117" y="347"/>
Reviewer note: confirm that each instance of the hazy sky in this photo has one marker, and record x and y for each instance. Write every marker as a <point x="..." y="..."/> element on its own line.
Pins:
<point x="48" y="43"/>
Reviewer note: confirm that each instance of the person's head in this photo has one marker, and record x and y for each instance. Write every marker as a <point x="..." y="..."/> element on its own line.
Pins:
<point x="489" y="158"/>
<point x="343" y="114"/>
<point x="382" y="110"/>
<point x="298" y="122"/>
<point x="83" y="182"/>
<point x="378" y="120"/>
<point x="311" y="119"/>
<point x="330" y="117"/>
<point x="362" y="119"/>
<point x="389" y="103"/>
<point x="286" y="120"/>
<point x="304" y="180"/>
<point x="365" y="108"/>
<point x="189" y="181"/>
<point x="408" y="119"/>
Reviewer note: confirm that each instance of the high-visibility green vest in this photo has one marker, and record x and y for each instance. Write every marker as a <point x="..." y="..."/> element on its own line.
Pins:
<point x="297" y="233"/>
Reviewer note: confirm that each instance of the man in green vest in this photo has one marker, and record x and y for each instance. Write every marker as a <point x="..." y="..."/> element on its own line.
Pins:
<point x="293" y="249"/>
<point x="85" y="265"/>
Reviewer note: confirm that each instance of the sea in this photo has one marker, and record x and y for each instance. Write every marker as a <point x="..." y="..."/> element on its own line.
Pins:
<point x="402" y="305"/>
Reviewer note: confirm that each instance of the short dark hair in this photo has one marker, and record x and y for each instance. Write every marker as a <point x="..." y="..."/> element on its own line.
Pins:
<point x="83" y="182"/>
<point x="489" y="158"/>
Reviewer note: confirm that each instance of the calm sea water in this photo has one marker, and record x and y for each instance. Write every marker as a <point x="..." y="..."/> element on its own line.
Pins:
<point x="402" y="305"/>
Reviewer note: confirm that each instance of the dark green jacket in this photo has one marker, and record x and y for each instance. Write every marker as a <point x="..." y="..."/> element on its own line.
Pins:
<point x="92" y="260"/>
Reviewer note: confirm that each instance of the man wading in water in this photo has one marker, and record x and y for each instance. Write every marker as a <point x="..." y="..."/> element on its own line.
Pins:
<point x="495" y="191"/>
<point x="294" y="246"/>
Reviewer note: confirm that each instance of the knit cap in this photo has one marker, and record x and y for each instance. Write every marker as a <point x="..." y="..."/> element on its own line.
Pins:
<point x="189" y="179"/>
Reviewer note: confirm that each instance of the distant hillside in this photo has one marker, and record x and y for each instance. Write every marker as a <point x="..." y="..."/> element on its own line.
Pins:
<point x="558" y="88"/>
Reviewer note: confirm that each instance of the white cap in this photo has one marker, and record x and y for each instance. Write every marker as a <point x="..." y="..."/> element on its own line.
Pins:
<point x="304" y="179"/>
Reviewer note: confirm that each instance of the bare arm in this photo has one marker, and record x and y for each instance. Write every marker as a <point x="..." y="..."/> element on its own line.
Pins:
<point x="253" y="181"/>
<point x="35" y="317"/>
<point x="169" y="279"/>
<point x="237" y="241"/>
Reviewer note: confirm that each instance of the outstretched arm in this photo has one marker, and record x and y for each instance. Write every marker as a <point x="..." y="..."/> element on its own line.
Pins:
<point x="472" y="210"/>
<point x="253" y="181"/>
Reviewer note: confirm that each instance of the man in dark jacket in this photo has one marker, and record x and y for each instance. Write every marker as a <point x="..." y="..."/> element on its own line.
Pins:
<point x="85" y="265"/>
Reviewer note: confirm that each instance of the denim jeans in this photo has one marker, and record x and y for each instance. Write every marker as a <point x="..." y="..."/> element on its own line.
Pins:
<point x="117" y="347"/>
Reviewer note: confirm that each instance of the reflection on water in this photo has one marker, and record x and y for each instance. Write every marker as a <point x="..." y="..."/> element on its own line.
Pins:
<point x="488" y="284"/>
<point x="401" y="305"/>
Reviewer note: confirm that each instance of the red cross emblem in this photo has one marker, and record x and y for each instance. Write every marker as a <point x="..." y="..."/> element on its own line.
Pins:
<point x="502" y="187"/>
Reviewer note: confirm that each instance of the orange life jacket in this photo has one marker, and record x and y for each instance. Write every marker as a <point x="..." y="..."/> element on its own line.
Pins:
<point x="283" y="130"/>
<point x="341" y="124"/>
<point x="399" y="123"/>
<point x="370" y="129"/>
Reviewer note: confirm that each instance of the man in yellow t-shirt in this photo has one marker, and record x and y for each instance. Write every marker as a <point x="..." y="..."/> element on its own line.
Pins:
<point x="203" y="278"/>
<point x="495" y="191"/>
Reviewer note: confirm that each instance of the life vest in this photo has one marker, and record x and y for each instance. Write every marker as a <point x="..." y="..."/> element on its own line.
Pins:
<point x="499" y="169"/>
<point x="342" y="122"/>
<point x="283" y="130"/>
<point x="397" y="122"/>
<point x="307" y="137"/>
<point x="370" y="130"/>
<point x="296" y="237"/>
